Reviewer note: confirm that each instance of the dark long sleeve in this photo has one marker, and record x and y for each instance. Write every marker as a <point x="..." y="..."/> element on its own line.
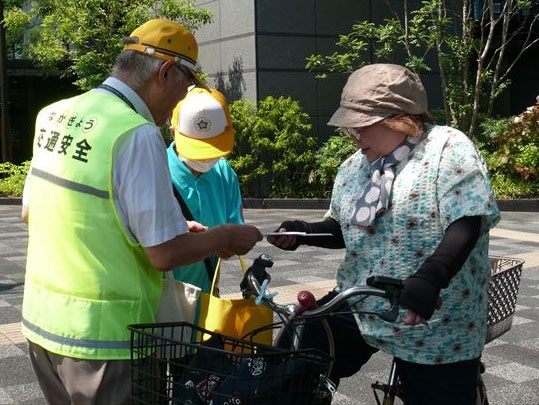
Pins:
<point x="421" y="290"/>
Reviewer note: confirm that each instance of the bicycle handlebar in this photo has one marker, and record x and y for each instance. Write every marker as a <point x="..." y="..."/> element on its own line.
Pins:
<point x="256" y="278"/>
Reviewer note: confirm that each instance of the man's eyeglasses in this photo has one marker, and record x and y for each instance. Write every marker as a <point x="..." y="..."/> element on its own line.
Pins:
<point x="354" y="133"/>
<point x="187" y="74"/>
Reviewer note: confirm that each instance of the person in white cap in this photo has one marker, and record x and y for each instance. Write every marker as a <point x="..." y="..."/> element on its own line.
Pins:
<point x="204" y="180"/>
<point x="103" y="221"/>
<point x="414" y="202"/>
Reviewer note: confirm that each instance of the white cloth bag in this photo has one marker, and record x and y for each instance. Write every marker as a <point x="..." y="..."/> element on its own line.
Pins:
<point x="179" y="301"/>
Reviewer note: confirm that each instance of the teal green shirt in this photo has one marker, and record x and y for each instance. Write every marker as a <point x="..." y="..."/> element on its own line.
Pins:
<point x="213" y="198"/>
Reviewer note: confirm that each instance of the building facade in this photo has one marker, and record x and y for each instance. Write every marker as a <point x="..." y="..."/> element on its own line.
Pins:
<point x="256" y="48"/>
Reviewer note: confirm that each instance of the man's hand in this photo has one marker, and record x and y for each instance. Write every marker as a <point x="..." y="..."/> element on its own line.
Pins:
<point x="241" y="238"/>
<point x="225" y="254"/>
<point x="195" y="226"/>
<point x="194" y="246"/>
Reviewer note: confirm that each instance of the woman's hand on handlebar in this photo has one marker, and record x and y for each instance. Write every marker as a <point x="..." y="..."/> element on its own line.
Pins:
<point x="412" y="318"/>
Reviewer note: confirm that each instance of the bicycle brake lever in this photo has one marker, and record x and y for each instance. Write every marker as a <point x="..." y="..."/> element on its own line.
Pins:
<point x="392" y="286"/>
<point x="392" y="313"/>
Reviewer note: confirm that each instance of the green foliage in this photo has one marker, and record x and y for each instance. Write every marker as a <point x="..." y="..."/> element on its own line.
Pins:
<point x="274" y="155"/>
<point x="507" y="188"/>
<point x="470" y="55"/>
<point x="16" y="20"/>
<point x="276" y="158"/>
<point x="12" y="178"/>
<point x="511" y="149"/>
<point x="389" y="40"/>
<point x="85" y="35"/>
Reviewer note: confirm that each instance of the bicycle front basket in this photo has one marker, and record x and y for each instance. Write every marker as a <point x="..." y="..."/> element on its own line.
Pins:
<point x="173" y="364"/>
<point x="503" y="290"/>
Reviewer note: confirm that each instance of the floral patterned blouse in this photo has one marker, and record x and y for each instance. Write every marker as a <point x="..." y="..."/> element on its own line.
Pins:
<point x="443" y="179"/>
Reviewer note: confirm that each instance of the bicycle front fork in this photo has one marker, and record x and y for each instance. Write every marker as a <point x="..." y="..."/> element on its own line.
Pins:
<point x="391" y="389"/>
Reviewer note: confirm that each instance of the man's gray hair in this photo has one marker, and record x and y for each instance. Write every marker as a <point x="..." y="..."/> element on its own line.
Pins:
<point x="135" y="66"/>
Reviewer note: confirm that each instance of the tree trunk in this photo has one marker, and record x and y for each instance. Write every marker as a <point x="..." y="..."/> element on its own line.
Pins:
<point x="4" y="115"/>
<point x="481" y="65"/>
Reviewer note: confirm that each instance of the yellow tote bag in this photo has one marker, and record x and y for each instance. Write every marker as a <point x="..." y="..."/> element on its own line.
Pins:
<point x="234" y="317"/>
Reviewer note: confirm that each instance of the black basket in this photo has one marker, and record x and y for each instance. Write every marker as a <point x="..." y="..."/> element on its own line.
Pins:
<point x="502" y="294"/>
<point x="179" y="363"/>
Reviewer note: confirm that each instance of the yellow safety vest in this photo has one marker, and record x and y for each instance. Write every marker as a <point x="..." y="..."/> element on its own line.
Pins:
<point x="85" y="281"/>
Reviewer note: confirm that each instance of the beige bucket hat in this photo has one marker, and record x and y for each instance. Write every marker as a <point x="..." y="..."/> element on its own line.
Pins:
<point x="377" y="91"/>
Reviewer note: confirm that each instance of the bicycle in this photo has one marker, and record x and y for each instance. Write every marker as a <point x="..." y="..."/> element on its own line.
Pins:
<point x="209" y="368"/>
<point x="503" y="291"/>
<point x="304" y="383"/>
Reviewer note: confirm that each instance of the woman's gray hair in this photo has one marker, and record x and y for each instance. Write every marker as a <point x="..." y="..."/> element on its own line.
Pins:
<point x="135" y="67"/>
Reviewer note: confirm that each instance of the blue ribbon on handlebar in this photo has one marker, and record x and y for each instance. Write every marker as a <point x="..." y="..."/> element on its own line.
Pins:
<point x="264" y="294"/>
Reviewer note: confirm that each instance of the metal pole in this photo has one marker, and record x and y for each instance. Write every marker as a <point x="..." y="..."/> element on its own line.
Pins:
<point x="3" y="86"/>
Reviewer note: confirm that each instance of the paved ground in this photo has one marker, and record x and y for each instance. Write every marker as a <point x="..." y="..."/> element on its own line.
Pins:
<point x="512" y="375"/>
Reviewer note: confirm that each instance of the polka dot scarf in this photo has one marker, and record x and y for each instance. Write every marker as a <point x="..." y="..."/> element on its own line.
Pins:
<point x="374" y="200"/>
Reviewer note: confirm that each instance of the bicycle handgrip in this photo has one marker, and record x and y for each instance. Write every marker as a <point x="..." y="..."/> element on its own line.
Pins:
<point x="385" y="282"/>
<point x="306" y="300"/>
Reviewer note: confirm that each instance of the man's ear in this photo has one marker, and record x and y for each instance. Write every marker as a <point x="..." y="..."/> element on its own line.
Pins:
<point x="163" y="70"/>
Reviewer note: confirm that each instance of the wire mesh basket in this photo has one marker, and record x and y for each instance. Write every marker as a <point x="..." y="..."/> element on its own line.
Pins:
<point x="179" y="363"/>
<point x="503" y="290"/>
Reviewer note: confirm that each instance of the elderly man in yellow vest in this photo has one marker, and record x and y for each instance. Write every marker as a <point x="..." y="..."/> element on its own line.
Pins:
<point x="103" y="220"/>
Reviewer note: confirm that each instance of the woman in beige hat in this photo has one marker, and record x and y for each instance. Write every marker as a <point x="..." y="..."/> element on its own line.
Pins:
<point x="414" y="202"/>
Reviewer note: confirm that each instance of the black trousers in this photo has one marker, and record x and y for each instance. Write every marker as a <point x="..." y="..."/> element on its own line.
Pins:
<point x="444" y="384"/>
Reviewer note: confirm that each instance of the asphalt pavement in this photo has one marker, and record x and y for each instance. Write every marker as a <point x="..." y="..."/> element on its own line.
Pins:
<point x="512" y="361"/>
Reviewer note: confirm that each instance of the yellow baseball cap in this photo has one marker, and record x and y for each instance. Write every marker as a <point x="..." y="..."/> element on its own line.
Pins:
<point x="203" y="125"/>
<point x="168" y="40"/>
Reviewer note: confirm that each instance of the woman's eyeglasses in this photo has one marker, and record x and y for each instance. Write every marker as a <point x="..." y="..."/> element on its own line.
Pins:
<point x="354" y="133"/>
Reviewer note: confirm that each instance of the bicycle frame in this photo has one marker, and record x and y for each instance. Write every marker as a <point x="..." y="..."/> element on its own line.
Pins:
<point x="391" y="390"/>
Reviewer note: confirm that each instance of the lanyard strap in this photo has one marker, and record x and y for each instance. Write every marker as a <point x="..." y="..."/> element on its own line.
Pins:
<point x="189" y="217"/>
<point x="118" y="94"/>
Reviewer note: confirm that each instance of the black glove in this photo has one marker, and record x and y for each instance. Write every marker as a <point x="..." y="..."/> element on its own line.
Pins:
<point x="420" y="296"/>
<point x="328" y="225"/>
<point x="293" y="226"/>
